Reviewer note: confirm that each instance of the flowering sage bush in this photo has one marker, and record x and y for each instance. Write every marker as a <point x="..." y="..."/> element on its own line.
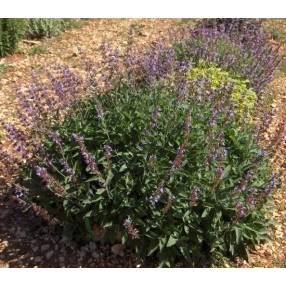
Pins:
<point x="172" y="177"/>
<point x="158" y="154"/>
<point x="235" y="45"/>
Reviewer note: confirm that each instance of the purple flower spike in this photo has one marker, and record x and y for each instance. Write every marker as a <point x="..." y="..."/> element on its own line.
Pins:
<point x="194" y="196"/>
<point x="240" y="210"/>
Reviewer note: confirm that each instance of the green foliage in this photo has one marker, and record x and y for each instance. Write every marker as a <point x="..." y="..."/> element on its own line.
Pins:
<point x="244" y="97"/>
<point x="159" y="188"/>
<point x="11" y="31"/>
<point x="41" y="49"/>
<point x="219" y="50"/>
<point x="3" y="68"/>
<point x="47" y="27"/>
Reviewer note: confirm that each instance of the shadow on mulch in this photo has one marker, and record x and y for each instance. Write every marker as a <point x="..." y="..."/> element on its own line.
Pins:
<point x="26" y="240"/>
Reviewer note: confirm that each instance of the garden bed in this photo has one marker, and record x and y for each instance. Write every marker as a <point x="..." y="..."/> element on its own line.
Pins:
<point x="124" y="256"/>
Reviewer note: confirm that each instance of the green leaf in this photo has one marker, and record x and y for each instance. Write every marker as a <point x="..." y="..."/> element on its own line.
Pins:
<point x="206" y="212"/>
<point x="162" y="243"/>
<point x="225" y="172"/>
<point x="172" y="241"/>
<point x="110" y="176"/>
<point x="108" y="224"/>
<point x="95" y="179"/>
<point x="100" y="191"/>
<point x="123" y="168"/>
<point x="88" y="214"/>
<point x="152" y="250"/>
<point x="237" y="234"/>
<point x="165" y="263"/>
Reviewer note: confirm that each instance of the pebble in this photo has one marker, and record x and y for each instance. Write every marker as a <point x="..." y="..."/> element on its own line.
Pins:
<point x="45" y="247"/>
<point x="38" y="259"/>
<point x="118" y="249"/>
<point x="49" y="254"/>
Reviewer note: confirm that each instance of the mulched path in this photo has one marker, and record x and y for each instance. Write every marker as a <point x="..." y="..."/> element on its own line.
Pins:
<point x="27" y="239"/>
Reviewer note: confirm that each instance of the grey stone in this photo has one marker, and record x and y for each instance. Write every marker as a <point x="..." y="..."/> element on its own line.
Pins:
<point x="49" y="254"/>
<point x="45" y="247"/>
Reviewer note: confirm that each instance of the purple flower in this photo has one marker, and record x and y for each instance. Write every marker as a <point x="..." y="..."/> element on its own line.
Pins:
<point x="88" y="158"/>
<point x="156" y="196"/>
<point x="251" y="197"/>
<point x="42" y="173"/>
<point x="67" y="167"/>
<point x="132" y="231"/>
<point x="49" y="180"/>
<point x="240" y="210"/>
<point x="194" y="196"/>
<point x="99" y="111"/>
<point x="155" y="114"/>
<point x="79" y="139"/>
<point x="18" y="191"/>
<point x="179" y="157"/>
<point x="55" y="136"/>
<point x="152" y="158"/>
<point x="107" y="151"/>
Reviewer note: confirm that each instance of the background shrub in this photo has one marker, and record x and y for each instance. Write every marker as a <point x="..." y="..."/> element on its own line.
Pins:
<point x="11" y="31"/>
<point x="47" y="27"/>
<point x="244" y="98"/>
<point x="238" y="46"/>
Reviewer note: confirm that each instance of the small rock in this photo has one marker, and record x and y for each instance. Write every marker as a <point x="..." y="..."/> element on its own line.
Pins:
<point x="3" y="264"/>
<point x="38" y="259"/>
<point x="4" y="212"/>
<point x="95" y="255"/>
<point x="22" y="234"/>
<point x="45" y="247"/>
<point x="118" y="249"/>
<point x="35" y="248"/>
<point x="75" y="51"/>
<point x="49" y="254"/>
<point x="143" y="34"/>
<point x="31" y="43"/>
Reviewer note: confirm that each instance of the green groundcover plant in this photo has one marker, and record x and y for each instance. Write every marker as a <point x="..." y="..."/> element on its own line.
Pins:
<point x="244" y="98"/>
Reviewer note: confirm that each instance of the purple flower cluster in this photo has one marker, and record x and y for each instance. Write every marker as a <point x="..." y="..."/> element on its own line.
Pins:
<point x="177" y="163"/>
<point x="99" y="111"/>
<point x="107" y="151"/>
<point x="155" y="114"/>
<point x="246" y="50"/>
<point x="49" y="180"/>
<point x="13" y="133"/>
<point x="194" y="196"/>
<point x="240" y="210"/>
<point x="274" y="182"/>
<point x="88" y="158"/>
<point x="67" y="167"/>
<point x="131" y="230"/>
<point x="55" y="136"/>
<point x="155" y="197"/>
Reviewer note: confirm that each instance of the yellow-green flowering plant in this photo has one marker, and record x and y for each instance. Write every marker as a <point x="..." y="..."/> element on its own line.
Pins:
<point x="244" y="97"/>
